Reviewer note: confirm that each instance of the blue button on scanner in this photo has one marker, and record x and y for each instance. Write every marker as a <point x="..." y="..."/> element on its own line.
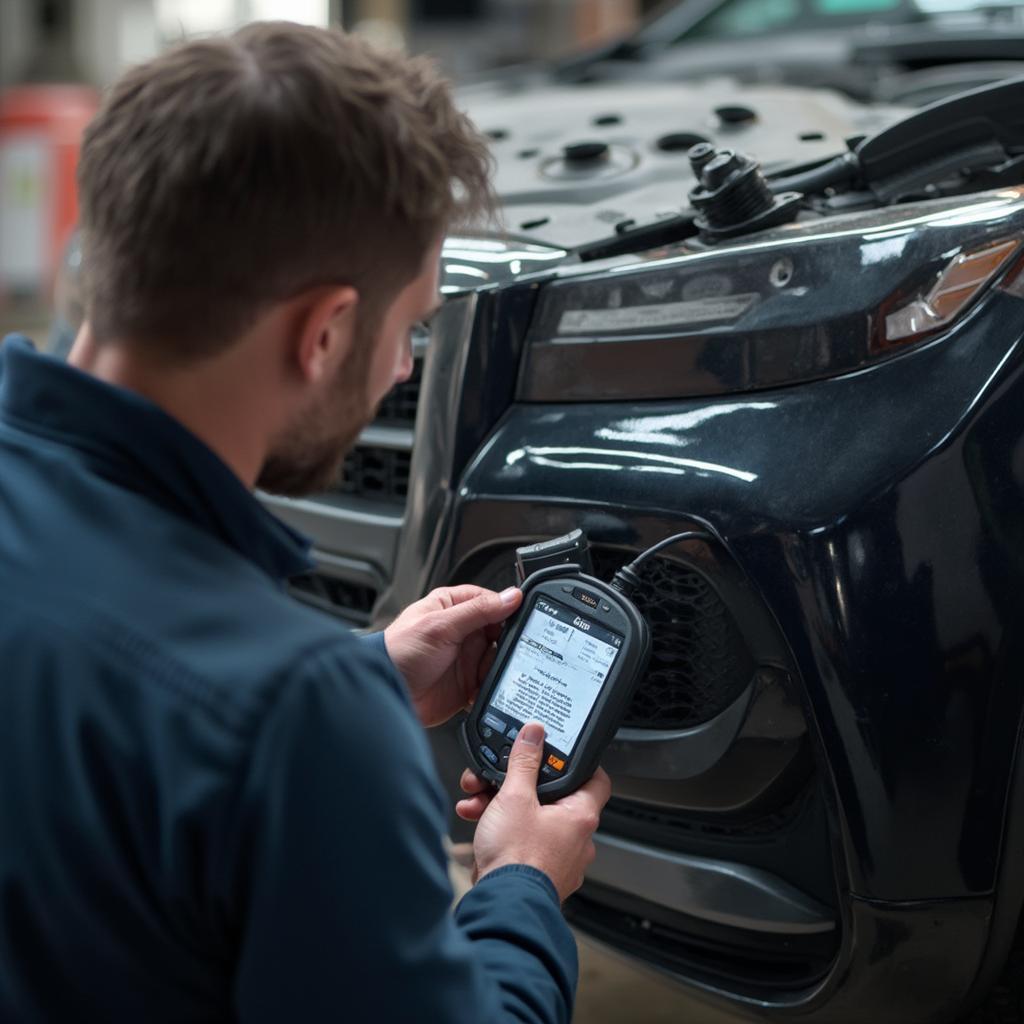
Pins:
<point x="489" y="754"/>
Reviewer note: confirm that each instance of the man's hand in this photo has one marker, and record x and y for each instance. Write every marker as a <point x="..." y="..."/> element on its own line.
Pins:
<point x="444" y="646"/>
<point x="515" y="828"/>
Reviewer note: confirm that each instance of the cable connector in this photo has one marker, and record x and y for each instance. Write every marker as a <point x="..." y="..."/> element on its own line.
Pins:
<point x="570" y="549"/>
<point x="627" y="579"/>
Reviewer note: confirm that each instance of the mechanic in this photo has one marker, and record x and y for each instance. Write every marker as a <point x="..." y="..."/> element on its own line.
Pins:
<point x="215" y="803"/>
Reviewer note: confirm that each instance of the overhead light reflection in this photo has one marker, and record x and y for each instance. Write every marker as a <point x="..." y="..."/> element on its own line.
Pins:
<point x="458" y="268"/>
<point x="504" y="256"/>
<point x="478" y="246"/>
<point x="659" y="429"/>
<point x="649" y="462"/>
<point x="881" y="249"/>
<point x="542" y="460"/>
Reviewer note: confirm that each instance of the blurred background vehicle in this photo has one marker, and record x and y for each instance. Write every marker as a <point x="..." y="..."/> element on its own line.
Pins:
<point x="892" y="51"/>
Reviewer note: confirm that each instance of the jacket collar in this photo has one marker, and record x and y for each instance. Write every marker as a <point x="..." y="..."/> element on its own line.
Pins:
<point x="131" y="441"/>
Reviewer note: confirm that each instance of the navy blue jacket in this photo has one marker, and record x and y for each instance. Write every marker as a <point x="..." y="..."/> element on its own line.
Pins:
<point x="215" y="803"/>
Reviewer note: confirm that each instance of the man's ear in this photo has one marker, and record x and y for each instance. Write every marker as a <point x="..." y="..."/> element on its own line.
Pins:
<point x="326" y="327"/>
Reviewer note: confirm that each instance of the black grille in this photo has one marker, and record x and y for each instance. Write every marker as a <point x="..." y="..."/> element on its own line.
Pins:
<point x="668" y="826"/>
<point x="377" y="473"/>
<point x="699" y="661"/>
<point x="735" y="958"/>
<point x="788" y="837"/>
<point x="398" y="409"/>
<point x="350" y="601"/>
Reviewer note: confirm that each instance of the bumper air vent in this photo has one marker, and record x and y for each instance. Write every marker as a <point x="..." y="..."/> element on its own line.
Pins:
<point x="377" y="468"/>
<point x="699" y="662"/>
<point x="377" y="472"/>
<point x="355" y="525"/>
<point x="665" y="826"/>
<point x="738" y="959"/>
<point x="345" y="600"/>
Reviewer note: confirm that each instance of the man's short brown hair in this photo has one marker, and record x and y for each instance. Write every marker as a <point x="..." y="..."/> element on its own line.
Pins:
<point x="231" y="173"/>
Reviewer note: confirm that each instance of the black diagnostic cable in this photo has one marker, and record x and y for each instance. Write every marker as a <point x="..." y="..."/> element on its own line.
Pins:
<point x="627" y="579"/>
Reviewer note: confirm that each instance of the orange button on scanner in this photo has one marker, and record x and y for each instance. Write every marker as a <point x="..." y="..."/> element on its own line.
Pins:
<point x="556" y="762"/>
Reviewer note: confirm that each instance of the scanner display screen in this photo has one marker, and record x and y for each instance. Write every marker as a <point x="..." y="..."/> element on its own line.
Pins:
<point x="556" y="672"/>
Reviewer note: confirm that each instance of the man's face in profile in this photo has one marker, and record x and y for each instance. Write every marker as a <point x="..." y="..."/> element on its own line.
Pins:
<point x="307" y="459"/>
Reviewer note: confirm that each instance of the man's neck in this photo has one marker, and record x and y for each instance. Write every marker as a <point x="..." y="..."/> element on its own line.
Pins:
<point x="204" y="397"/>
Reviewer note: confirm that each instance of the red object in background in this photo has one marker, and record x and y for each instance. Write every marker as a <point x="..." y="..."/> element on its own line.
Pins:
<point x="40" y="136"/>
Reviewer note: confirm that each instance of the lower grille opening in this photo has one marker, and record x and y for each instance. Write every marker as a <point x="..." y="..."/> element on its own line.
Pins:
<point x="351" y="602"/>
<point x="376" y="473"/>
<point x="788" y="839"/>
<point x="666" y="826"/>
<point x="738" y="960"/>
<point x="700" y="662"/>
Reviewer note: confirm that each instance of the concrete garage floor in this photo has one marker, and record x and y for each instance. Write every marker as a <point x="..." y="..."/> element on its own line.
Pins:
<point x="612" y="991"/>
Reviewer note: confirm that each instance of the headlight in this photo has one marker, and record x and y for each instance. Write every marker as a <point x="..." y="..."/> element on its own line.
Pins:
<point x="958" y="284"/>
<point x="798" y="303"/>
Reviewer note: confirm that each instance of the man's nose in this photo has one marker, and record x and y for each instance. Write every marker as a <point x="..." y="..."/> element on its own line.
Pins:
<point x="404" y="369"/>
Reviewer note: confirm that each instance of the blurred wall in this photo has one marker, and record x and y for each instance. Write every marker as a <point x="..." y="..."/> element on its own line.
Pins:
<point x="106" y="36"/>
<point x="17" y="36"/>
<point x="110" y="35"/>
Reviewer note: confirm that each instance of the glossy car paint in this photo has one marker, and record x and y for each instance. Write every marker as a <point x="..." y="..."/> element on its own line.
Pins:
<point x="867" y="512"/>
<point x="874" y="512"/>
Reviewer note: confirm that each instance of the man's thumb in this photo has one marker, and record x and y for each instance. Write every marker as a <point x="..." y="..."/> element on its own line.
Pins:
<point x="485" y="609"/>
<point x="524" y="760"/>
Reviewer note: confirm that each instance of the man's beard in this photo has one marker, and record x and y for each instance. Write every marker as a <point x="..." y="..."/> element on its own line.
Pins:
<point x="307" y="458"/>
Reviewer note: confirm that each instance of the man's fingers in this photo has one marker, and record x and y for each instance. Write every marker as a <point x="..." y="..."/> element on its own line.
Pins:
<point x="472" y="808"/>
<point x="448" y="597"/>
<point x="594" y="792"/>
<point x="469" y="609"/>
<point x="524" y="760"/>
<point x="599" y="785"/>
<point x="472" y="783"/>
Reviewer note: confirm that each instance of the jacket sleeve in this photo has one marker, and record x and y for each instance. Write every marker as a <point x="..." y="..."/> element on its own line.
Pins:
<point x="337" y="877"/>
